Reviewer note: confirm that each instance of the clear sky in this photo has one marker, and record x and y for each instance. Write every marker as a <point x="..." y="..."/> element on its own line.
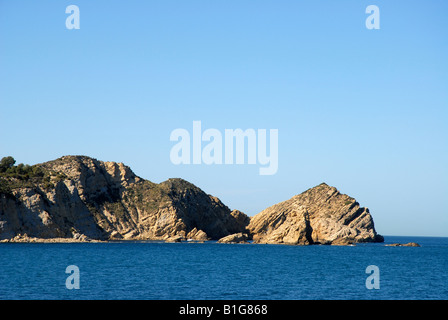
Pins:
<point x="363" y="110"/>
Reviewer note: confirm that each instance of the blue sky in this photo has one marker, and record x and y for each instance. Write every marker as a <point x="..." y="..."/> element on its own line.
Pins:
<point x="363" y="110"/>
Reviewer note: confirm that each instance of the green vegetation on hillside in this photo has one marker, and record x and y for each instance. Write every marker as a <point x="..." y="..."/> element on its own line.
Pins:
<point x="25" y="176"/>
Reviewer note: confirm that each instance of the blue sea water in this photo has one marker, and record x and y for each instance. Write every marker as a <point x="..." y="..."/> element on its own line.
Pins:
<point x="205" y="271"/>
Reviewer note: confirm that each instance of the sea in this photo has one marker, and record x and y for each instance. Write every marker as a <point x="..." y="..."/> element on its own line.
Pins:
<point x="147" y="270"/>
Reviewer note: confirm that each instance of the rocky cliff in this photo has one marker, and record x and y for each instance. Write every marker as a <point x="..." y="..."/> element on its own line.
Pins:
<point x="320" y="215"/>
<point x="78" y="195"/>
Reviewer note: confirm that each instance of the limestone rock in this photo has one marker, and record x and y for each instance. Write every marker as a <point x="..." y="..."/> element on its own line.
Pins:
<point x="342" y="242"/>
<point x="320" y="215"/>
<point x="175" y="239"/>
<point x="196" y="234"/>
<point x="27" y="239"/>
<point x="234" y="238"/>
<point x="409" y="244"/>
<point x="241" y="219"/>
<point x="84" y="197"/>
<point x="79" y="198"/>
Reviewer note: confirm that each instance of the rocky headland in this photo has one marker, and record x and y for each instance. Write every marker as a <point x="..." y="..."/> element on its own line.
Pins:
<point x="81" y="199"/>
<point x="320" y="215"/>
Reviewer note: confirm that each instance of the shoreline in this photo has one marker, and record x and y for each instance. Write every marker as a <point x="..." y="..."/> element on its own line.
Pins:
<point x="26" y="239"/>
<point x="388" y="240"/>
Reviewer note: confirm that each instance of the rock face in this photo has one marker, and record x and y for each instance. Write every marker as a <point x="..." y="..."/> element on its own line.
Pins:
<point x="196" y="234"/>
<point x="80" y="196"/>
<point x="409" y="244"/>
<point x="83" y="199"/>
<point x="234" y="238"/>
<point x="320" y="215"/>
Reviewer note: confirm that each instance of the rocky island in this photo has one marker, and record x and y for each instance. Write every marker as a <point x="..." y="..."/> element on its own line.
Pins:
<point x="320" y="215"/>
<point x="78" y="198"/>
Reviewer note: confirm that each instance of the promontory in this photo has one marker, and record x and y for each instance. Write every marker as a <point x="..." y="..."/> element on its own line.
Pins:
<point x="80" y="198"/>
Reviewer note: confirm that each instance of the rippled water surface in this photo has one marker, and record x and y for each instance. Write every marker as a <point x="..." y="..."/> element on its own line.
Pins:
<point x="148" y="270"/>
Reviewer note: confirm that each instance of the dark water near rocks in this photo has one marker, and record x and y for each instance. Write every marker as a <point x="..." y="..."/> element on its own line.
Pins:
<point x="148" y="270"/>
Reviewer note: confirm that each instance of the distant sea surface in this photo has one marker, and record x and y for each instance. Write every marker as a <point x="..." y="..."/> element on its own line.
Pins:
<point x="206" y="271"/>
